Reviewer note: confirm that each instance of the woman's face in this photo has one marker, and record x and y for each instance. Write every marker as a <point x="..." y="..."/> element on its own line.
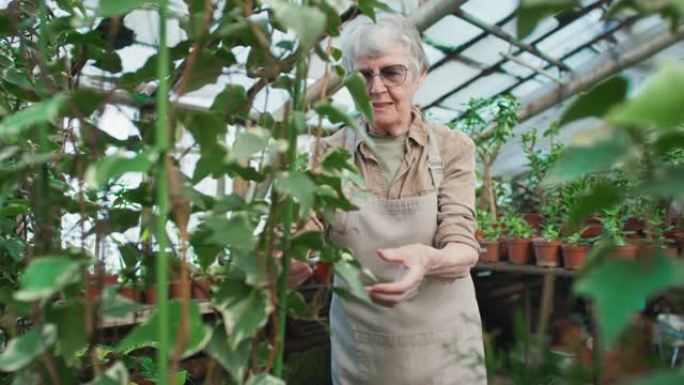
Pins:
<point x="391" y="103"/>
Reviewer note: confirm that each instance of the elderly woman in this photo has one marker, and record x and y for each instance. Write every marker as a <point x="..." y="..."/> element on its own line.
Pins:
<point x="414" y="231"/>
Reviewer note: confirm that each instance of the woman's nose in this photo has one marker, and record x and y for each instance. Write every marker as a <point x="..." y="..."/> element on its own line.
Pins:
<point x="376" y="85"/>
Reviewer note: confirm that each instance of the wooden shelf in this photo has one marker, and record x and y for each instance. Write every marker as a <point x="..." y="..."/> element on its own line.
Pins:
<point x="507" y="267"/>
<point x="143" y="314"/>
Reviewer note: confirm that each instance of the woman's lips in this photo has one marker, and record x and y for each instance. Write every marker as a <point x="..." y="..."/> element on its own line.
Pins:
<point x="380" y="105"/>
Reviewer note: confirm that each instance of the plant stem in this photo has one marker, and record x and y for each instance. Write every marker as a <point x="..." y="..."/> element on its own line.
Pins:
<point x="298" y="98"/>
<point x="162" y="143"/>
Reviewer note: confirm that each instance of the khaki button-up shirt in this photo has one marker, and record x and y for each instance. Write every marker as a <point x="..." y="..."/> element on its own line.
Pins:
<point x="456" y="196"/>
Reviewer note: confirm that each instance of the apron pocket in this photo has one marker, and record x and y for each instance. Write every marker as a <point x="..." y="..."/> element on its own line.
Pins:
<point x="425" y="358"/>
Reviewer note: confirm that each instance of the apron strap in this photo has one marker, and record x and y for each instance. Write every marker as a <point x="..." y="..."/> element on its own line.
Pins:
<point x="350" y="141"/>
<point x="435" y="163"/>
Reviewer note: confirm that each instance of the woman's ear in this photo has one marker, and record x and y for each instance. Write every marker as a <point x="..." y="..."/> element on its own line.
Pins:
<point x="422" y="76"/>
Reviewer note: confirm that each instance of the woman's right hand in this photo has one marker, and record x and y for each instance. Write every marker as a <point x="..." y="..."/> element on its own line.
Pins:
<point x="299" y="272"/>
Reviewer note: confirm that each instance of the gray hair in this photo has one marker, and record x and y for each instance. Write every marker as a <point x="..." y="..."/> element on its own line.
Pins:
<point x="363" y="38"/>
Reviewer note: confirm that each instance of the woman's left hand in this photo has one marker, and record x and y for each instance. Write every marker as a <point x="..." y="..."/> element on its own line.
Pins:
<point x="415" y="259"/>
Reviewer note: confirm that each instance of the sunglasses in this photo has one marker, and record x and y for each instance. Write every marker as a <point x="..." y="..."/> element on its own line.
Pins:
<point x="392" y="75"/>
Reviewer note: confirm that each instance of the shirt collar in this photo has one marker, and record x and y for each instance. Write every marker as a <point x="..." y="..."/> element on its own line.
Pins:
<point x="417" y="129"/>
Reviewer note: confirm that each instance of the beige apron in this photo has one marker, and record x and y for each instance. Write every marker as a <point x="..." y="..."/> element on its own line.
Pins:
<point x="433" y="338"/>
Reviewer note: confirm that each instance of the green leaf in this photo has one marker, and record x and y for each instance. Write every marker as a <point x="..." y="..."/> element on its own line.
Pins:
<point x="235" y="232"/>
<point x="70" y="321"/>
<point x="666" y="183"/>
<point x="120" y="7"/>
<point x="368" y="7"/>
<point x="249" y="142"/>
<point x="531" y="12"/>
<point x="351" y="274"/>
<point x="21" y="350"/>
<point x="211" y="68"/>
<point x="234" y="360"/>
<point x="357" y="88"/>
<point x="672" y="376"/>
<point x="615" y="301"/>
<point x="300" y="187"/>
<point x="206" y="128"/>
<point x="597" y="101"/>
<point x="43" y="112"/>
<point x="231" y="101"/>
<point x="112" y="166"/>
<point x="114" y="305"/>
<point x="86" y="101"/>
<point x="264" y="379"/>
<point x="658" y="103"/>
<point x="602" y="196"/>
<point x="147" y="333"/>
<point x="46" y="276"/>
<point x="578" y="161"/>
<point x="116" y="374"/>
<point x="307" y="22"/>
<point x="14" y="247"/>
<point x="297" y="306"/>
<point x="205" y="251"/>
<point x="244" y="308"/>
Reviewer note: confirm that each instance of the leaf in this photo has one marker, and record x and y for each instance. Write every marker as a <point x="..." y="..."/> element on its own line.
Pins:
<point x="206" y="128"/>
<point x="244" y="308"/>
<point x="249" y="142"/>
<point x="666" y="183"/>
<point x="662" y="377"/>
<point x="147" y="333"/>
<point x="207" y="69"/>
<point x="531" y="12"/>
<point x="112" y="166"/>
<point x="300" y="187"/>
<point x="206" y="252"/>
<point x="86" y="101"/>
<point x="233" y="359"/>
<point x="119" y="7"/>
<point x="43" y="112"/>
<point x="368" y="7"/>
<point x="351" y="274"/>
<point x="235" y="232"/>
<point x="230" y="101"/>
<point x="264" y="379"/>
<point x="357" y="88"/>
<point x="116" y="374"/>
<point x="20" y="351"/>
<point x="658" y="103"/>
<point x="70" y="321"/>
<point x="597" y="101"/>
<point x="307" y="22"/>
<point x="46" y="276"/>
<point x="297" y="306"/>
<point x="114" y="305"/>
<point x="602" y="196"/>
<point x="14" y="247"/>
<point x="616" y="301"/>
<point x="578" y="161"/>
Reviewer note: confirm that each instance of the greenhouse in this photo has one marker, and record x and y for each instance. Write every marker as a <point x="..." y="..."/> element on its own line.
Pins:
<point x="344" y="192"/>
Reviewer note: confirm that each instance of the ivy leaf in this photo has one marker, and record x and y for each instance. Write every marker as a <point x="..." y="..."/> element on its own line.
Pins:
<point x="113" y="166"/>
<point x="299" y="186"/>
<point x="666" y="183"/>
<point x="147" y="333"/>
<point x="351" y="274"/>
<point x="597" y="101"/>
<point x="661" y="377"/>
<point x="21" y="350"/>
<point x="120" y="7"/>
<point x="116" y="374"/>
<point x="69" y="318"/>
<point x="46" y="276"/>
<point x="614" y="300"/>
<point x="211" y="68"/>
<point x="577" y="161"/>
<point x="205" y="251"/>
<point x="357" y="88"/>
<point x="206" y="128"/>
<point x="234" y="360"/>
<point x="249" y="142"/>
<point x="233" y="232"/>
<point x="43" y="112"/>
<point x="87" y="101"/>
<point x="307" y="22"/>
<point x="368" y="7"/>
<point x="114" y="305"/>
<point x="245" y="309"/>
<point x="231" y="101"/>
<point x="658" y="103"/>
<point x="531" y="12"/>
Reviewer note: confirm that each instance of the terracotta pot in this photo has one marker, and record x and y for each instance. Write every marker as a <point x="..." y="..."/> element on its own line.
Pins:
<point x="175" y="289"/>
<point x="519" y="251"/>
<point x="594" y="228"/>
<point x="676" y="236"/>
<point x="97" y="284"/>
<point x="626" y="252"/>
<point x="151" y="295"/>
<point x="201" y="289"/>
<point x="493" y="251"/>
<point x="503" y="248"/>
<point x="634" y="224"/>
<point x="647" y="249"/>
<point x="547" y="253"/>
<point x="574" y="256"/>
<point x="132" y="293"/>
<point x="479" y="235"/>
<point x="534" y="219"/>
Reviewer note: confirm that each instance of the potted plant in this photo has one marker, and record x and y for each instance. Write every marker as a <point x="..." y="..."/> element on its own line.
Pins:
<point x="574" y="250"/>
<point x="488" y="235"/>
<point x="547" y="248"/>
<point x="519" y="240"/>
<point x="613" y="229"/>
<point x="656" y="240"/>
<point x="98" y="280"/>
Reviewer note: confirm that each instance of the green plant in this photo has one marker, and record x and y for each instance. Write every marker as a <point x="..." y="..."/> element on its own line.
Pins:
<point x="613" y="224"/>
<point x="487" y="224"/>
<point x="575" y="238"/>
<point x="517" y="227"/>
<point x="550" y="232"/>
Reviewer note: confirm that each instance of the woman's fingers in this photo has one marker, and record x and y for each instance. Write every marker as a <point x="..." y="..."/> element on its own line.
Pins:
<point x="298" y="273"/>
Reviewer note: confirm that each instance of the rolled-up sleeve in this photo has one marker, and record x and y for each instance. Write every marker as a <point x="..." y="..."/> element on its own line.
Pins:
<point x="456" y="199"/>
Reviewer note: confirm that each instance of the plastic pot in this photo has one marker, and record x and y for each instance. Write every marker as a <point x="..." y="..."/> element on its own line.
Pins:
<point x="492" y="252"/>
<point x="547" y="253"/>
<point x="519" y="251"/>
<point x="574" y="256"/>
